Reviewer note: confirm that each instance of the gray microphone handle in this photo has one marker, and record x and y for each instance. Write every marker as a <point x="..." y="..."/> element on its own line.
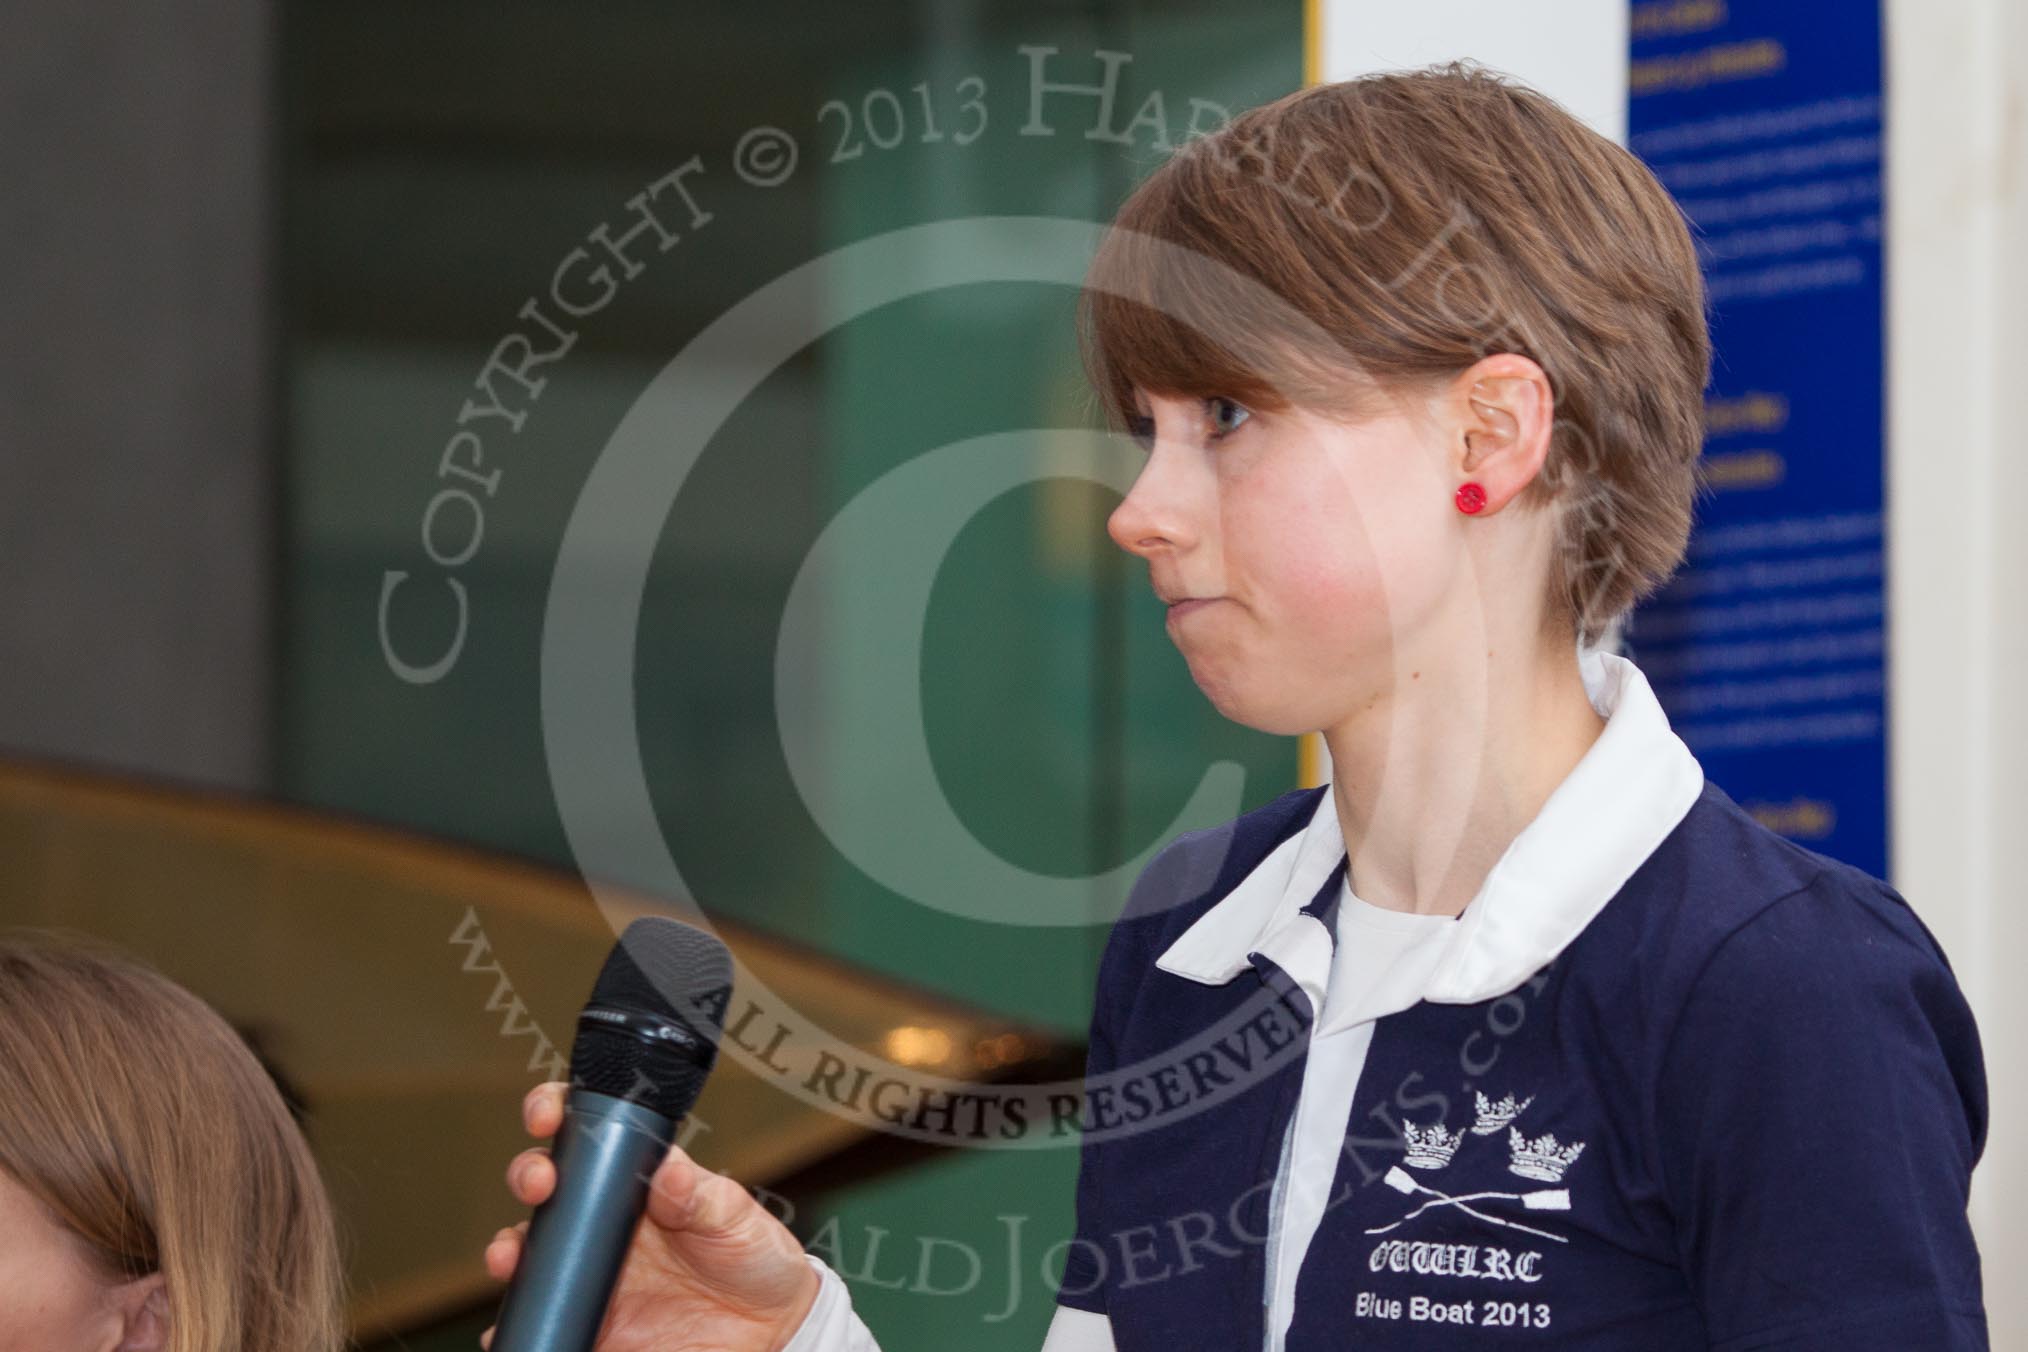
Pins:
<point x="605" y="1153"/>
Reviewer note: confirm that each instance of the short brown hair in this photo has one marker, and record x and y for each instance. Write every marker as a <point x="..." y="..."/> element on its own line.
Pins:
<point x="1384" y="233"/>
<point x="148" y="1128"/>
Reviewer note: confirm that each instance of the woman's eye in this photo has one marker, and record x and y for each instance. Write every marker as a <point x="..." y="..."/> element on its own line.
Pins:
<point x="1142" y="430"/>
<point x="1226" y="415"/>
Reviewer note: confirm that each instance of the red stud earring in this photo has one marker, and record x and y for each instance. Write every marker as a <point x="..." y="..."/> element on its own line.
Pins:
<point x="1471" y="498"/>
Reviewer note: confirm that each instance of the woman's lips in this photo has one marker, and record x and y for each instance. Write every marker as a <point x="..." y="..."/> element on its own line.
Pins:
<point x="1182" y="608"/>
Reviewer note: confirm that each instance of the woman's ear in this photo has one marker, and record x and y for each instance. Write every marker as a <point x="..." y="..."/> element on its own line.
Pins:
<point x="143" y="1307"/>
<point x="1503" y="409"/>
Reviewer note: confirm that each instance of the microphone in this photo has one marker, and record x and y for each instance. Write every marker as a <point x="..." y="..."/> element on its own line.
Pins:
<point x="645" y="1042"/>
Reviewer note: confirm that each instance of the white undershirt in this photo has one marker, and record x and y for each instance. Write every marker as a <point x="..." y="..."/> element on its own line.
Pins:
<point x="1378" y="965"/>
<point x="1379" y="961"/>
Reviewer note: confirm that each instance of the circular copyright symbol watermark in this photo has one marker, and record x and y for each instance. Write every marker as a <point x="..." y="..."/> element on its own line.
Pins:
<point x="904" y="835"/>
<point x="765" y="157"/>
<point x="890" y="821"/>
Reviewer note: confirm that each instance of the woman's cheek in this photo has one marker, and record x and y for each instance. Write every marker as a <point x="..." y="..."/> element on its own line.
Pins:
<point x="1330" y="585"/>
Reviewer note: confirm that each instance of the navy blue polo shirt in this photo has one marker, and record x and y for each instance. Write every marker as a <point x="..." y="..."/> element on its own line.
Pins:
<point x="1738" y="1109"/>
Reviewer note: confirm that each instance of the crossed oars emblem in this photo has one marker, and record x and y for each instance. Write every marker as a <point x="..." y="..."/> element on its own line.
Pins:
<point x="1542" y="1199"/>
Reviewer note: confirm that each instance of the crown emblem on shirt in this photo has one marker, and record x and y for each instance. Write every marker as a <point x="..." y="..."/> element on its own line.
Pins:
<point x="1430" y="1147"/>
<point x="1542" y="1157"/>
<point x="1493" y="1116"/>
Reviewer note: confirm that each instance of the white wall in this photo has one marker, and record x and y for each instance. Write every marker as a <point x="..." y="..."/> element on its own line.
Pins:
<point x="1579" y="59"/>
<point x="1957" y="484"/>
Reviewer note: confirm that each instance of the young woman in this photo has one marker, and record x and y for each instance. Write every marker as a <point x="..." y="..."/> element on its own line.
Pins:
<point x="155" y="1194"/>
<point x="1558" y="1047"/>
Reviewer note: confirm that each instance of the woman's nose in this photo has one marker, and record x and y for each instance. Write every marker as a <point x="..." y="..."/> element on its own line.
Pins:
<point x="1154" y="514"/>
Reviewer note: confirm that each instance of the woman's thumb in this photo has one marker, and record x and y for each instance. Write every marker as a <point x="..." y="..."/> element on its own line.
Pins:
<point x="685" y="1196"/>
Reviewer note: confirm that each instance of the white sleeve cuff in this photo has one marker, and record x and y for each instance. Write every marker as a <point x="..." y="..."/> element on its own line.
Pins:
<point x="831" y="1325"/>
<point x="1074" y="1330"/>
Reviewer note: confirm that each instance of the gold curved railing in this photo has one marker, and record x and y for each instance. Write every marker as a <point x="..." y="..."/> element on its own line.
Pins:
<point x="405" y="987"/>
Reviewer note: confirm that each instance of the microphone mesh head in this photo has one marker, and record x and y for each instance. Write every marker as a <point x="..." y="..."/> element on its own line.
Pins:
<point x="650" y="1032"/>
<point x="663" y="966"/>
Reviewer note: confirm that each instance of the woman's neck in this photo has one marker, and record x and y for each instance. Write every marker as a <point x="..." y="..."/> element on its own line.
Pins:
<point x="1434" y="778"/>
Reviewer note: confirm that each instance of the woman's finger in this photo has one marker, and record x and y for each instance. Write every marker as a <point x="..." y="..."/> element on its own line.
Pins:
<point x="531" y="1176"/>
<point x="503" y="1254"/>
<point x="542" y="1109"/>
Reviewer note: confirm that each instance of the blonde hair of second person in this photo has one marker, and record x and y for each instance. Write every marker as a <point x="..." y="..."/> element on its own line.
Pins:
<point x="156" y="1195"/>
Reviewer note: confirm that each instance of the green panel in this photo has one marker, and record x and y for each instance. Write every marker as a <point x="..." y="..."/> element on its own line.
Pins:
<point x="955" y="1254"/>
<point x="1065" y="728"/>
<point x="1061" y="740"/>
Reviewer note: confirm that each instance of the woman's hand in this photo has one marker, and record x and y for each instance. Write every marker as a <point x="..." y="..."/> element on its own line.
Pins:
<point x="710" y="1268"/>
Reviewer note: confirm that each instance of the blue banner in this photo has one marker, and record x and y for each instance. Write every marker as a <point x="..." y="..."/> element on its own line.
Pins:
<point x="1764" y="119"/>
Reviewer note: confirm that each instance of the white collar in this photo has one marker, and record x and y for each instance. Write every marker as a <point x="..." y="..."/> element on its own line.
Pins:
<point x="1632" y="787"/>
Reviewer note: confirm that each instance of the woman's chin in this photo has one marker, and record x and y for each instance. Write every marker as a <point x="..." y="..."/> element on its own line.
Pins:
<point x="1250" y="709"/>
